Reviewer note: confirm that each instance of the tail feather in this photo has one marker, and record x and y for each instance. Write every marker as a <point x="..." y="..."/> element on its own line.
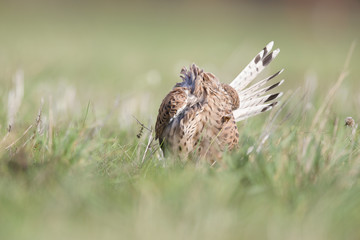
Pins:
<point x="260" y="83"/>
<point x="252" y="101"/>
<point x="260" y="92"/>
<point x="242" y="114"/>
<point x="255" y="67"/>
<point x="260" y="100"/>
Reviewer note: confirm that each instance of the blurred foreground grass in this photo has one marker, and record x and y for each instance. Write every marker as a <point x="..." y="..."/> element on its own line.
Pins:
<point x="72" y="166"/>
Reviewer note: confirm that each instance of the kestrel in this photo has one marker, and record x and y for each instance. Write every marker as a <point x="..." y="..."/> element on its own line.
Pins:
<point x="198" y="116"/>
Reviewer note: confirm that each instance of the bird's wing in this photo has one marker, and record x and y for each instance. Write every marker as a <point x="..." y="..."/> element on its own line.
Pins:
<point x="172" y="104"/>
<point x="252" y="101"/>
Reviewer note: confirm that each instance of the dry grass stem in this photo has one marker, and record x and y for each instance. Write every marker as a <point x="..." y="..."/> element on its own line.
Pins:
<point x="323" y="111"/>
<point x="150" y="140"/>
<point x="23" y="135"/>
<point x="15" y="98"/>
<point x="330" y="96"/>
<point x="51" y="126"/>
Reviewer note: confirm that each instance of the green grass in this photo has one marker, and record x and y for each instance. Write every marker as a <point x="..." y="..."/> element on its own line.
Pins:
<point x="79" y="171"/>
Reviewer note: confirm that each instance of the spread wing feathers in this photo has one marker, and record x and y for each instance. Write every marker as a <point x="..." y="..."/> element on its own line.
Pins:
<point x="255" y="67"/>
<point x="241" y="114"/>
<point x="170" y="107"/>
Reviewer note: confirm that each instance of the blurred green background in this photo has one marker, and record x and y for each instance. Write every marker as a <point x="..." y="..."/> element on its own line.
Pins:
<point x="110" y="48"/>
<point x="96" y="64"/>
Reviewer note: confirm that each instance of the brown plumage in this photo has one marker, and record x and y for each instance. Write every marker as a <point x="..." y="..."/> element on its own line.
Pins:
<point x="198" y="116"/>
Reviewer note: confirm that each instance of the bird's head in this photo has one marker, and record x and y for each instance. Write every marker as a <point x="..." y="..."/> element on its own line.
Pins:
<point x="197" y="81"/>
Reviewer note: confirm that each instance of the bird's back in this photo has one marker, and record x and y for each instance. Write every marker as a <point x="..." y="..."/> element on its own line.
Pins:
<point x="200" y="125"/>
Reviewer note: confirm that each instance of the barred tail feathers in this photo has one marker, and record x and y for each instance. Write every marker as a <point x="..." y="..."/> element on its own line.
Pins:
<point x="242" y="114"/>
<point x="252" y="101"/>
<point x="255" y="67"/>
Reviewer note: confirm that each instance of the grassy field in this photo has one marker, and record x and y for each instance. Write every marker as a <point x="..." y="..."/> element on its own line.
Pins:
<point x="72" y="167"/>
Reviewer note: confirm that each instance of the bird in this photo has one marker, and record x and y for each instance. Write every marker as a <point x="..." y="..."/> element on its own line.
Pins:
<point x="198" y="117"/>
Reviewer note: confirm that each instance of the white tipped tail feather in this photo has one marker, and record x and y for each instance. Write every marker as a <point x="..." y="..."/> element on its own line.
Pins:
<point x="252" y="101"/>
